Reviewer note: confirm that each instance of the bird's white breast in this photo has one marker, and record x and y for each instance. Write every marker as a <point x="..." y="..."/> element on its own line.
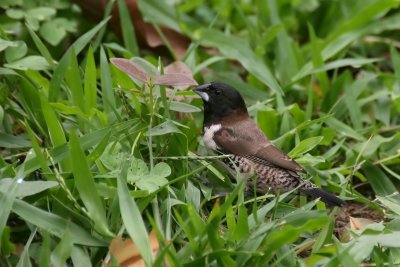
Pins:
<point x="208" y="137"/>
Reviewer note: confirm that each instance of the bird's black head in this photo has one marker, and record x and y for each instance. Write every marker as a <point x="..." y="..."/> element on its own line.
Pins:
<point x="221" y="101"/>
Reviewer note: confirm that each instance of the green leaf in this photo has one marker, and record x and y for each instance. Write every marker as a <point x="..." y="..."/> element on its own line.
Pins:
<point x="90" y="86"/>
<point x="395" y="56"/>
<point x="159" y="12"/>
<point x="132" y="218"/>
<point x="391" y="203"/>
<point x="5" y="71"/>
<point x="183" y="107"/>
<point x="85" y="184"/>
<point x="137" y="169"/>
<point x="74" y="81"/>
<point x="60" y="70"/>
<point x="4" y="44"/>
<point x="54" y="224"/>
<point x="242" y="226"/>
<point x="54" y="126"/>
<point x="41" y="13"/>
<point x="10" y="141"/>
<point x="40" y="46"/>
<point x="286" y="64"/>
<point x="163" y="128"/>
<point x="45" y="254"/>
<point x="139" y="174"/>
<point x="52" y="32"/>
<point x="381" y="184"/>
<point x="80" y="257"/>
<point x="29" y="63"/>
<point x="340" y="63"/>
<point x="106" y="83"/>
<point x="343" y="129"/>
<point x="26" y="188"/>
<point x="24" y="259"/>
<point x="155" y="179"/>
<point x="228" y="45"/>
<point x="83" y="41"/>
<point x="362" y="247"/>
<point x="161" y="169"/>
<point x="344" y="36"/>
<point x="113" y="156"/>
<point x="15" y="13"/>
<point x="63" y="250"/>
<point x="6" y="201"/>
<point x="305" y="146"/>
<point x="128" y="31"/>
<point x="62" y="152"/>
<point x="68" y="110"/>
<point x="352" y="92"/>
<point x="14" y="53"/>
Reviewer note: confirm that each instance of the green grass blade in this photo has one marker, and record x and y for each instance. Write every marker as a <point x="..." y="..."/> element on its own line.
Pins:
<point x="6" y="203"/>
<point x="24" y="260"/>
<point x="62" y="152"/>
<point x="344" y="129"/>
<point x="58" y="76"/>
<point x="63" y="250"/>
<point x="90" y="87"/>
<point x="107" y="12"/>
<point x="40" y="46"/>
<point x="84" y="40"/>
<point x="38" y="152"/>
<point x="128" y="31"/>
<point x="44" y="259"/>
<point x="86" y="186"/>
<point x="287" y="64"/>
<point x="74" y="82"/>
<point x="54" y="224"/>
<point x="228" y="45"/>
<point x="30" y="100"/>
<point x="317" y="59"/>
<point x="80" y="258"/>
<point x="78" y="46"/>
<point x="11" y="141"/>
<point x="305" y="146"/>
<point x="381" y="184"/>
<point x="106" y="83"/>
<point x="54" y="127"/>
<point x="132" y="218"/>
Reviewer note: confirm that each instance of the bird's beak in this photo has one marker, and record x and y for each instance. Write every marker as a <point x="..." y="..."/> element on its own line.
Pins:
<point x="201" y="91"/>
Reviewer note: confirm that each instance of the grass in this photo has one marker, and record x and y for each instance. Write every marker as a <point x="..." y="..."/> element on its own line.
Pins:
<point x="89" y="153"/>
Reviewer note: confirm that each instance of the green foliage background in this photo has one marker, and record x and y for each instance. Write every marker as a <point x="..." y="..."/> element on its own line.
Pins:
<point x="87" y="153"/>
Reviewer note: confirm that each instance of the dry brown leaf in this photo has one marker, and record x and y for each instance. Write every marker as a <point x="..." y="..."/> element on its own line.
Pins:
<point x="359" y="224"/>
<point x="174" y="79"/>
<point x="131" y="69"/>
<point x="127" y="254"/>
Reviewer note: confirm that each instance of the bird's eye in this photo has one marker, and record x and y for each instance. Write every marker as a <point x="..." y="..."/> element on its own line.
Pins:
<point x="217" y="92"/>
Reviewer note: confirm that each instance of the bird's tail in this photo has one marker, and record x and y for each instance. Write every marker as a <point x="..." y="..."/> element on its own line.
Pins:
<point x="326" y="197"/>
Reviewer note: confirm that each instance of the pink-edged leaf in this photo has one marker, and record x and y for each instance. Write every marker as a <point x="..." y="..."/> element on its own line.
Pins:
<point x="178" y="67"/>
<point x="175" y="79"/>
<point x="131" y="69"/>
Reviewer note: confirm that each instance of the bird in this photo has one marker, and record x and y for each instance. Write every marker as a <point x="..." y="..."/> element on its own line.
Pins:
<point x="228" y="129"/>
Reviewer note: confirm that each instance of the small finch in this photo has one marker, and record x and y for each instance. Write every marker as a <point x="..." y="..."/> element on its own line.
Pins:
<point x="228" y="129"/>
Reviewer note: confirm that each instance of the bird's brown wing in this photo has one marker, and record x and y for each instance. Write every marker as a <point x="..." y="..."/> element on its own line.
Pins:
<point x="245" y="139"/>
